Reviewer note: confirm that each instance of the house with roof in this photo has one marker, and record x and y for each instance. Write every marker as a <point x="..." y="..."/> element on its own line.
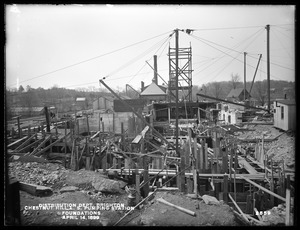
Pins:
<point x="285" y="114"/>
<point x="154" y="92"/>
<point x="103" y="103"/>
<point x="81" y="103"/>
<point x="238" y="95"/>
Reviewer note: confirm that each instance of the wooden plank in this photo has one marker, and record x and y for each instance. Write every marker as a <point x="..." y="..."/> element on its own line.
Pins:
<point x="225" y="188"/>
<point x="205" y="155"/>
<point x="138" y="138"/>
<point x="28" y="146"/>
<point x="161" y="200"/>
<point x="40" y="145"/>
<point x="264" y="189"/>
<point x="25" y="142"/>
<point x="17" y="141"/>
<point x="238" y="208"/>
<point x="244" y="164"/>
<point x="49" y="146"/>
<point x="29" y="188"/>
<point x="96" y="134"/>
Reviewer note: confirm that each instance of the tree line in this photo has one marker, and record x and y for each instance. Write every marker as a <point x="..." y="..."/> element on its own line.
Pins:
<point x="65" y="98"/>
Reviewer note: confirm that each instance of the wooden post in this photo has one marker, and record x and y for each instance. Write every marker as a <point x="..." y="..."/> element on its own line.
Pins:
<point x="87" y="123"/>
<point x="56" y="132"/>
<point x="230" y="167"/>
<point x="146" y="175"/>
<point x="87" y="163"/>
<point x="235" y="160"/>
<point x="288" y="202"/>
<point x="104" y="162"/>
<point x="182" y="174"/>
<point x="272" y="184"/>
<point x="197" y="157"/>
<point x="19" y="127"/>
<point x="47" y="118"/>
<point x="195" y="178"/>
<point x="225" y="188"/>
<point x="122" y="136"/>
<point x="225" y="161"/>
<point x="77" y="126"/>
<point x="256" y="151"/>
<point x="137" y="183"/>
<point x="12" y="132"/>
<point x="249" y="205"/>
<point x="119" y="162"/>
<point x="66" y="146"/>
<point x="205" y="155"/>
<point x="189" y="185"/>
<point x="201" y="156"/>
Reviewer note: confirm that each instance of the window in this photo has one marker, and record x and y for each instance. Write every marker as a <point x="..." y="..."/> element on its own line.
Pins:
<point x="282" y="112"/>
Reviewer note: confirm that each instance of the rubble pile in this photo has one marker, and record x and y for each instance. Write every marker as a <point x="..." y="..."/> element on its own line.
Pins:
<point x="46" y="174"/>
<point x="282" y="148"/>
<point x="276" y="216"/>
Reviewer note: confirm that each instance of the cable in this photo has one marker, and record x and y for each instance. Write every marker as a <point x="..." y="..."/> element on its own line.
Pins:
<point x="165" y="42"/>
<point x="219" y="58"/>
<point x="235" y="58"/>
<point x="90" y="59"/>
<point x="134" y="59"/>
<point x="274" y="32"/>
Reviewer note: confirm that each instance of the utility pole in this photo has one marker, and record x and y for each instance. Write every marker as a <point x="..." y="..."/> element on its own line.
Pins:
<point x="268" y="64"/>
<point x="176" y="87"/>
<point x="155" y="69"/>
<point x="245" y="76"/>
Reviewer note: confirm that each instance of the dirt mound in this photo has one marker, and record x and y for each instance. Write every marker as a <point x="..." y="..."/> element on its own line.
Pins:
<point x="158" y="214"/>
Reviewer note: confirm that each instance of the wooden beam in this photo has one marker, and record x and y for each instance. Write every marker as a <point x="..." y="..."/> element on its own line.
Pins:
<point x="238" y="208"/>
<point x="49" y="146"/>
<point x="138" y="138"/>
<point x="161" y="200"/>
<point x="17" y="141"/>
<point x="40" y="145"/>
<point x="25" y="142"/>
<point x="263" y="188"/>
<point x="28" y="146"/>
<point x="244" y="164"/>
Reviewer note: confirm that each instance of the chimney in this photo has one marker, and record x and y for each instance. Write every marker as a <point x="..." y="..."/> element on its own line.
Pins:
<point x="142" y="86"/>
<point x="155" y="69"/>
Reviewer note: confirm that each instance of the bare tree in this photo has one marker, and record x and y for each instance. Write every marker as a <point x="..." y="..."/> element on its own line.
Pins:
<point x="217" y="89"/>
<point x="235" y="80"/>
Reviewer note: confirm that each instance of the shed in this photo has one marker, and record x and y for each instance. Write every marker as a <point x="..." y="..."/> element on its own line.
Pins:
<point x="285" y="114"/>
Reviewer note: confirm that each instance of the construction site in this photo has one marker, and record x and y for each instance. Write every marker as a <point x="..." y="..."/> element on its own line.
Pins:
<point x="158" y="160"/>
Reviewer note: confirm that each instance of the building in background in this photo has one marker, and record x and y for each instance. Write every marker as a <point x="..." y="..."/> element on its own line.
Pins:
<point x="285" y="114"/>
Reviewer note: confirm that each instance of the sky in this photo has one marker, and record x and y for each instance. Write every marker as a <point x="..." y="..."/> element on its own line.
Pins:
<point x="74" y="46"/>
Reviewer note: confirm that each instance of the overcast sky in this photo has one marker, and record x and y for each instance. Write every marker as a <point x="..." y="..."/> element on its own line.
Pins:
<point x="76" y="45"/>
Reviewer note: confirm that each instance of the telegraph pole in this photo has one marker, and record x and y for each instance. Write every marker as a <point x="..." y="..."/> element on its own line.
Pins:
<point x="268" y="65"/>
<point x="176" y="85"/>
<point x="245" y="76"/>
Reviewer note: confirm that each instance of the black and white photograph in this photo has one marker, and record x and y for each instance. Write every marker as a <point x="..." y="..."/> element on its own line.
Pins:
<point x="149" y="115"/>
